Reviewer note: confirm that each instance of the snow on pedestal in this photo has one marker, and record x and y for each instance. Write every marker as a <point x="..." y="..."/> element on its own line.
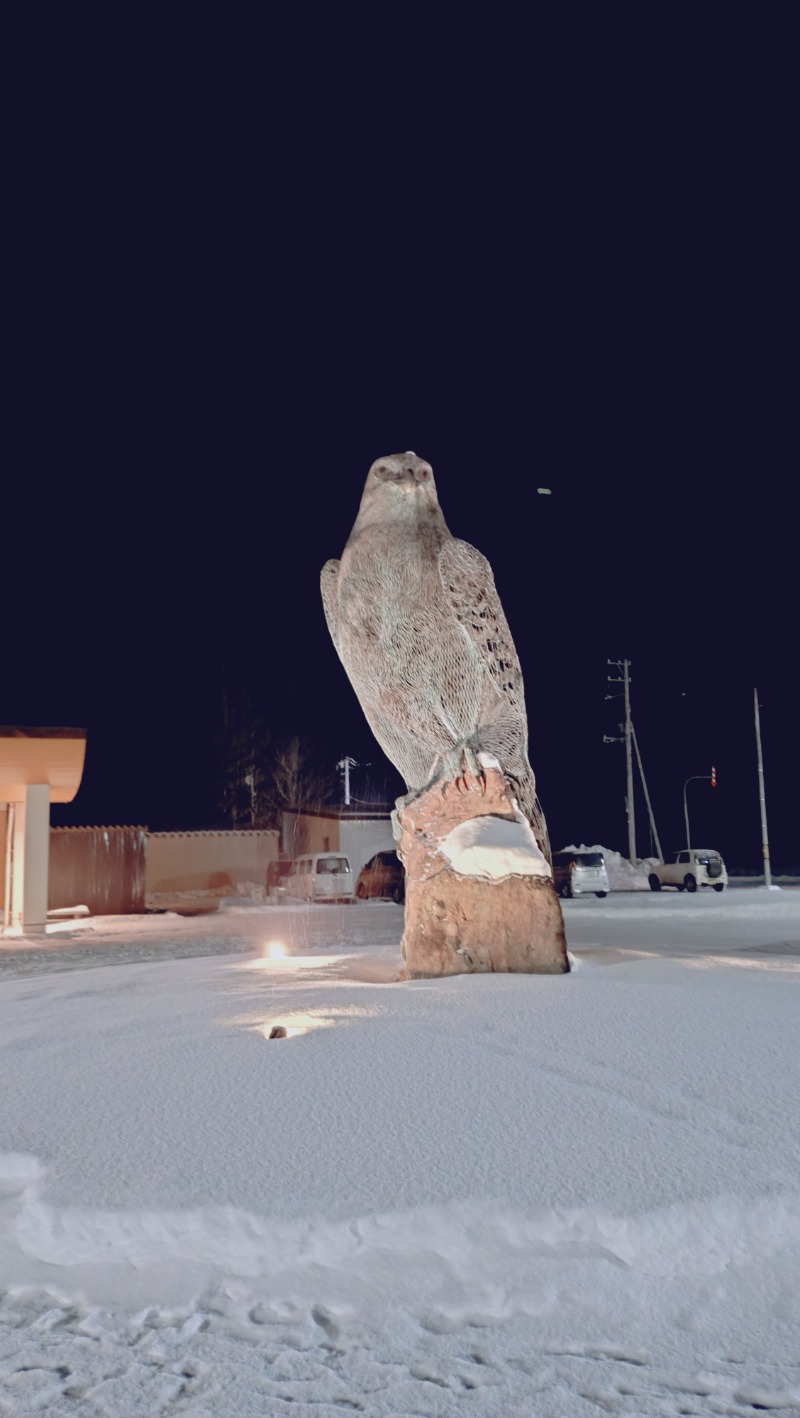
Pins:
<point x="479" y="893"/>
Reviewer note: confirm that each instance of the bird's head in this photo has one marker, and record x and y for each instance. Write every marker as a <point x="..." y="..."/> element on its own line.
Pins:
<point x="403" y="471"/>
<point x="400" y="492"/>
<point x="400" y="486"/>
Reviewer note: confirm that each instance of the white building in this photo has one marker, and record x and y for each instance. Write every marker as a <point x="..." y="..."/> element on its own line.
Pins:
<point x="357" y="832"/>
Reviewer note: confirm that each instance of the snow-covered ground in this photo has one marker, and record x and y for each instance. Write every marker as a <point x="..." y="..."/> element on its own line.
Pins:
<point x="499" y="1196"/>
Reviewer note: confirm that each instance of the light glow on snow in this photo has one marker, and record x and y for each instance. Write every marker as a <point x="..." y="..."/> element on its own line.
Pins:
<point x="295" y="1024"/>
<point x="283" y="961"/>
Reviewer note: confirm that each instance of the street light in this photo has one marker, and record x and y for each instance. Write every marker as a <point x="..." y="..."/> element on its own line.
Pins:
<point x="696" y="778"/>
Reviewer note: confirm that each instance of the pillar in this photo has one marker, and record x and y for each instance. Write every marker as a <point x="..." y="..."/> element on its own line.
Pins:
<point x="31" y="848"/>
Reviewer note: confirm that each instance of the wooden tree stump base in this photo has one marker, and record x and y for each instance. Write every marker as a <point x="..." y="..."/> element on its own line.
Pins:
<point x="479" y="894"/>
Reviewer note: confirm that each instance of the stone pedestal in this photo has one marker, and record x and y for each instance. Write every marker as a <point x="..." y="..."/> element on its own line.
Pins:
<point x="479" y="894"/>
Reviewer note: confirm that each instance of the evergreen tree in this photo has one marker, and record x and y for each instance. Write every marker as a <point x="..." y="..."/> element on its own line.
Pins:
<point x="260" y="779"/>
<point x="244" y="746"/>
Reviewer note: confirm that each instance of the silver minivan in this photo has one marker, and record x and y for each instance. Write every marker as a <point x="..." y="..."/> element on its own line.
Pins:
<point x="321" y="876"/>
<point x="580" y="873"/>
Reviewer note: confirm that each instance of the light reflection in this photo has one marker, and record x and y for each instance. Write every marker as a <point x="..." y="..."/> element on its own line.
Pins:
<point x="775" y="963"/>
<point x="281" y="958"/>
<point x="297" y="1024"/>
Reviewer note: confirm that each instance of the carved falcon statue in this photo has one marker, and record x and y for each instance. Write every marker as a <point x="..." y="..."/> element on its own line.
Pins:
<point x="418" y="625"/>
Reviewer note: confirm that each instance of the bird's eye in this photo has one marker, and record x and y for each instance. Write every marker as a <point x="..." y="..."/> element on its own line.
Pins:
<point x="426" y="472"/>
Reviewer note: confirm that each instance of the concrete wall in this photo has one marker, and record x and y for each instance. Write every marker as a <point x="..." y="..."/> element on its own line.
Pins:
<point x="202" y="861"/>
<point x="305" y="832"/>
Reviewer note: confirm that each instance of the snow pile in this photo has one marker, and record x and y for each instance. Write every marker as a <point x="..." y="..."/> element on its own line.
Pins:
<point x="622" y="876"/>
<point x="701" y="1238"/>
<point x="495" y="848"/>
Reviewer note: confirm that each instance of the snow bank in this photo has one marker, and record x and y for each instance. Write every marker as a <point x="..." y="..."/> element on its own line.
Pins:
<point x="622" y="876"/>
<point x="697" y="1238"/>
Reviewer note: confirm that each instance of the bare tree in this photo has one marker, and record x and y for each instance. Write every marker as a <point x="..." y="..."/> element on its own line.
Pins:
<point x="259" y="779"/>
<point x="296" y="780"/>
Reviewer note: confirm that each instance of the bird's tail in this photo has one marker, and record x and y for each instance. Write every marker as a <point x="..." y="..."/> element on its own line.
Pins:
<point x="531" y="807"/>
<point x="539" y="829"/>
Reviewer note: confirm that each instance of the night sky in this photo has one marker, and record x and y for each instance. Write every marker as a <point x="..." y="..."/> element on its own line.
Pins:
<point x="247" y="264"/>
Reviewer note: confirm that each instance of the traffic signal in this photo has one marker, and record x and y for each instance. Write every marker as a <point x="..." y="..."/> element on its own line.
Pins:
<point x="713" y="776"/>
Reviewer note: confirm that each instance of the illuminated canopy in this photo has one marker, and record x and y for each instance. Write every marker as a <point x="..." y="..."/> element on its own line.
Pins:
<point x="51" y="756"/>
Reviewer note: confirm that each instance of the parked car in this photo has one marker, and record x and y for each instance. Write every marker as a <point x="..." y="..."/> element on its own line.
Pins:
<point x="321" y="876"/>
<point x="277" y="876"/>
<point x="693" y="867"/>
<point x="383" y="875"/>
<point x="580" y="874"/>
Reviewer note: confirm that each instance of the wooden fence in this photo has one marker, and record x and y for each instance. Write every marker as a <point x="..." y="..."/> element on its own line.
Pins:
<point x="103" y="868"/>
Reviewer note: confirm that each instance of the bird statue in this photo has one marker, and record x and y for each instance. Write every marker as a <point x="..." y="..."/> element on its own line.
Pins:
<point x="416" y="620"/>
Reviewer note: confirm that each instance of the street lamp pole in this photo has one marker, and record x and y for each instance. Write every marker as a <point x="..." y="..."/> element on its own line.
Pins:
<point x="762" y="800"/>
<point x="695" y="778"/>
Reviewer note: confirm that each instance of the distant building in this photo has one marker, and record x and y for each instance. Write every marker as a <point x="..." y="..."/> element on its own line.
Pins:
<point x="357" y="832"/>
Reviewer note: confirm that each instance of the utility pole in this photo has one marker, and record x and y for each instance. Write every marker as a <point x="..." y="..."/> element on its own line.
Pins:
<point x="629" y="766"/>
<point x="624" y="665"/>
<point x="345" y="764"/>
<point x="762" y="799"/>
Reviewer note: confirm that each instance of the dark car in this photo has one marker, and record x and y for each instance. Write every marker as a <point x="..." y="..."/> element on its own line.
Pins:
<point x="383" y="875"/>
<point x="277" y="872"/>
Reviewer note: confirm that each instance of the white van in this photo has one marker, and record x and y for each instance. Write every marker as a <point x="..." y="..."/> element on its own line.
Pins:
<point x="693" y="867"/>
<point x="321" y="876"/>
<point x="580" y="873"/>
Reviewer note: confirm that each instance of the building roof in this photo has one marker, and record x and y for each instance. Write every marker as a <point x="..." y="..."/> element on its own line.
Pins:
<point x="51" y="756"/>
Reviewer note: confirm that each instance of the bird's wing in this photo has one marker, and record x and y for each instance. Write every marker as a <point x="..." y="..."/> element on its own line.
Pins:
<point x="329" y="585"/>
<point x="469" y="589"/>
